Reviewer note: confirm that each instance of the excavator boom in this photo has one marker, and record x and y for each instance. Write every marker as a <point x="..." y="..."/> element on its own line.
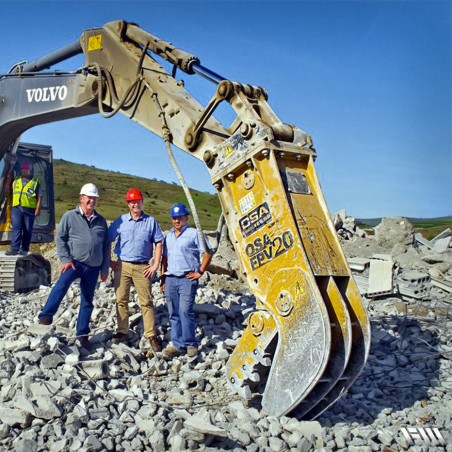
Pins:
<point x="309" y="336"/>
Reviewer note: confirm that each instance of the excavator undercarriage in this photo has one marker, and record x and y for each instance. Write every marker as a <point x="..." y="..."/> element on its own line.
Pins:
<point x="309" y="336"/>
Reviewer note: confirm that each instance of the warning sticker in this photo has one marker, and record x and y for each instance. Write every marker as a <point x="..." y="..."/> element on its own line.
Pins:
<point x="228" y="151"/>
<point x="247" y="202"/>
<point x="94" y="43"/>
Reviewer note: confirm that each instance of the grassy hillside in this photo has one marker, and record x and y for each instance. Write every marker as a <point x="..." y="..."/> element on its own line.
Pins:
<point x="431" y="227"/>
<point x="158" y="195"/>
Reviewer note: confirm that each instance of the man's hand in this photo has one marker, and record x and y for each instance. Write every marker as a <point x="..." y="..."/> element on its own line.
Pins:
<point x="103" y="276"/>
<point x="115" y="265"/>
<point x="193" y="276"/>
<point x="67" y="266"/>
<point x="150" y="271"/>
<point x="37" y="211"/>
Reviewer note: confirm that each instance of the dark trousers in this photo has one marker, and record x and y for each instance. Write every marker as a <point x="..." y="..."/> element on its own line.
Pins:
<point x="22" y="220"/>
<point x="88" y="279"/>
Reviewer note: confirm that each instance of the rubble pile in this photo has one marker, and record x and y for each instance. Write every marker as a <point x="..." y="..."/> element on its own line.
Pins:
<point x="55" y="396"/>
<point x="346" y="226"/>
<point x="397" y="261"/>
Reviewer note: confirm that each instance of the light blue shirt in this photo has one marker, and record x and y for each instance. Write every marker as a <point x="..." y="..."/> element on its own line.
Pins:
<point x="135" y="237"/>
<point x="183" y="252"/>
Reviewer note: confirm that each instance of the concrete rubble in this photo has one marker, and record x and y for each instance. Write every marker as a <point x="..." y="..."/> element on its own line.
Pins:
<point x="57" y="397"/>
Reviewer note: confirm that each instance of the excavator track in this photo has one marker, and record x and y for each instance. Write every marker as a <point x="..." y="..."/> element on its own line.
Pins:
<point x="24" y="273"/>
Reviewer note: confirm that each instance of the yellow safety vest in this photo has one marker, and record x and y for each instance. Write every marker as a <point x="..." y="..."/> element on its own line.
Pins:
<point x="25" y="196"/>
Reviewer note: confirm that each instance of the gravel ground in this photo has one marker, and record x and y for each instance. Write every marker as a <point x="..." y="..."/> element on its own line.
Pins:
<point x="57" y="397"/>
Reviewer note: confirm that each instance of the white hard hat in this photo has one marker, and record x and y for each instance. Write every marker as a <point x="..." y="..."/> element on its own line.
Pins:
<point x="89" y="190"/>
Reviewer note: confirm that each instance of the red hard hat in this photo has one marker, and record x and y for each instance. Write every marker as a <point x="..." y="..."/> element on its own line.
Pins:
<point x="25" y="165"/>
<point x="134" y="195"/>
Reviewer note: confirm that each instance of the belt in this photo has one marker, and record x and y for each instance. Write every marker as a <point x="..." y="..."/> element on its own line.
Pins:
<point x="135" y="262"/>
<point x="175" y="276"/>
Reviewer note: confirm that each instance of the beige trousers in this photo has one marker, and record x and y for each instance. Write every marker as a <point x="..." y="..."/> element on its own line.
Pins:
<point x="124" y="277"/>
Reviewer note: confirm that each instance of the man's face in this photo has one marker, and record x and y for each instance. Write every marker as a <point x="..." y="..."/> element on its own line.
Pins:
<point x="135" y="207"/>
<point x="25" y="172"/>
<point x="180" y="222"/>
<point x="88" y="203"/>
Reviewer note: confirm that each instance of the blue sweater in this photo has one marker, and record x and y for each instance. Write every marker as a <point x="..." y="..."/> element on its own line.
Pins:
<point x="83" y="242"/>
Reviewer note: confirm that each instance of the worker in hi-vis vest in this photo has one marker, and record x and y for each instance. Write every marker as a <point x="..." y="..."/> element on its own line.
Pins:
<point x="26" y="207"/>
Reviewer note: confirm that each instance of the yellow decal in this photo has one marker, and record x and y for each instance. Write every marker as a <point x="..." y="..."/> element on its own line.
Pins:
<point x="228" y="151"/>
<point x="94" y="43"/>
<point x="247" y="202"/>
<point x="299" y="291"/>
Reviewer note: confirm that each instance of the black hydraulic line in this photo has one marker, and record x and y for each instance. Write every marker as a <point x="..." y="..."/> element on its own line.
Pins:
<point x="207" y="73"/>
<point x="55" y="57"/>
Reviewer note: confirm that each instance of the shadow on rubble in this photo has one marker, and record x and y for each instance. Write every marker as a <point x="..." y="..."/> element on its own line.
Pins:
<point x="403" y="365"/>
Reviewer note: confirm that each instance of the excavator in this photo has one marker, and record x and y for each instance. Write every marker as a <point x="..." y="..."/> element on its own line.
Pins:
<point x="24" y="273"/>
<point x="308" y="338"/>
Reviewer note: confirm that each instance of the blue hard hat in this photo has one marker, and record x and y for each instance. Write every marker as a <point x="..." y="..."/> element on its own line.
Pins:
<point x="178" y="210"/>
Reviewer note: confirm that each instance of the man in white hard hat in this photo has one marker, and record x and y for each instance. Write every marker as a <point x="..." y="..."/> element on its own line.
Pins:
<point x="84" y="251"/>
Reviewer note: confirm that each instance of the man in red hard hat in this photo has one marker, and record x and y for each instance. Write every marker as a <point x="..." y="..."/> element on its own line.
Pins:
<point x="26" y="207"/>
<point x="139" y="239"/>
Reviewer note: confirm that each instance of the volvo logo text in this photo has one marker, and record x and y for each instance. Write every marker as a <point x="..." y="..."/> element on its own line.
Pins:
<point x="47" y="94"/>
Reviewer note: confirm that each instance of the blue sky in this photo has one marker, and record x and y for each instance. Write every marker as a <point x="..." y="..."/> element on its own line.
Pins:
<point x="371" y="81"/>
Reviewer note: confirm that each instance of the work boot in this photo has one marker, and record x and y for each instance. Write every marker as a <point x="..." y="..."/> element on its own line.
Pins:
<point x="155" y="344"/>
<point x="171" y="352"/>
<point x="83" y="341"/>
<point x="192" y="351"/>
<point x="118" y="338"/>
<point x="11" y="253"/>
<point x="45" y="320"/>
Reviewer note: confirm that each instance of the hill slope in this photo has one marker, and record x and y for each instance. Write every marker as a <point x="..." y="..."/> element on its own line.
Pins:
<point x="158" y="195"/>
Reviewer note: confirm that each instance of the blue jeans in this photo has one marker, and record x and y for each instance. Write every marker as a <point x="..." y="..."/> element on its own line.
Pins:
<point x="22" y="220"/>
<point x="180" y="296"/>
<point x="88" y="279"/>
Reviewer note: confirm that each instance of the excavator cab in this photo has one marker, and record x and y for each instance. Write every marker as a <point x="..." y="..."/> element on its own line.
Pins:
<point x="26" y="273"/>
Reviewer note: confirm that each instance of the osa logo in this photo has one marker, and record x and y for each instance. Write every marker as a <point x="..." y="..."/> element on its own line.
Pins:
<point x="423" y="436"/>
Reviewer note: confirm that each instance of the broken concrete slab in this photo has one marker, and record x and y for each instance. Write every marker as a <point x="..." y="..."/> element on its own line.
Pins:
<point x="441" y="245"/>
<point x="358" y="264"/>
<point x="441" y="284"/>
<point x="422" y="240"/>
<point x="380" y="278"/>
<point x="446" y="233"/>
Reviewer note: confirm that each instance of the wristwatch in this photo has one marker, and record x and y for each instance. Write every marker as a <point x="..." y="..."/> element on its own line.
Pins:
<point x="200" y="272"/>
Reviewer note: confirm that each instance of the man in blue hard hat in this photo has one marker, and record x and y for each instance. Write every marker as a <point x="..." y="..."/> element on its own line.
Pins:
<point x="182" y="266"/>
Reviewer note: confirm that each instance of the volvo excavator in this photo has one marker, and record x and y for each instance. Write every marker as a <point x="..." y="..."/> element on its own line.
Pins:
<point x="308" y="337"/>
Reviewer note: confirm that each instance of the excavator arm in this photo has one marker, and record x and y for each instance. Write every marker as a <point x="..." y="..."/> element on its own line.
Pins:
<point x="309" y="336"/>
